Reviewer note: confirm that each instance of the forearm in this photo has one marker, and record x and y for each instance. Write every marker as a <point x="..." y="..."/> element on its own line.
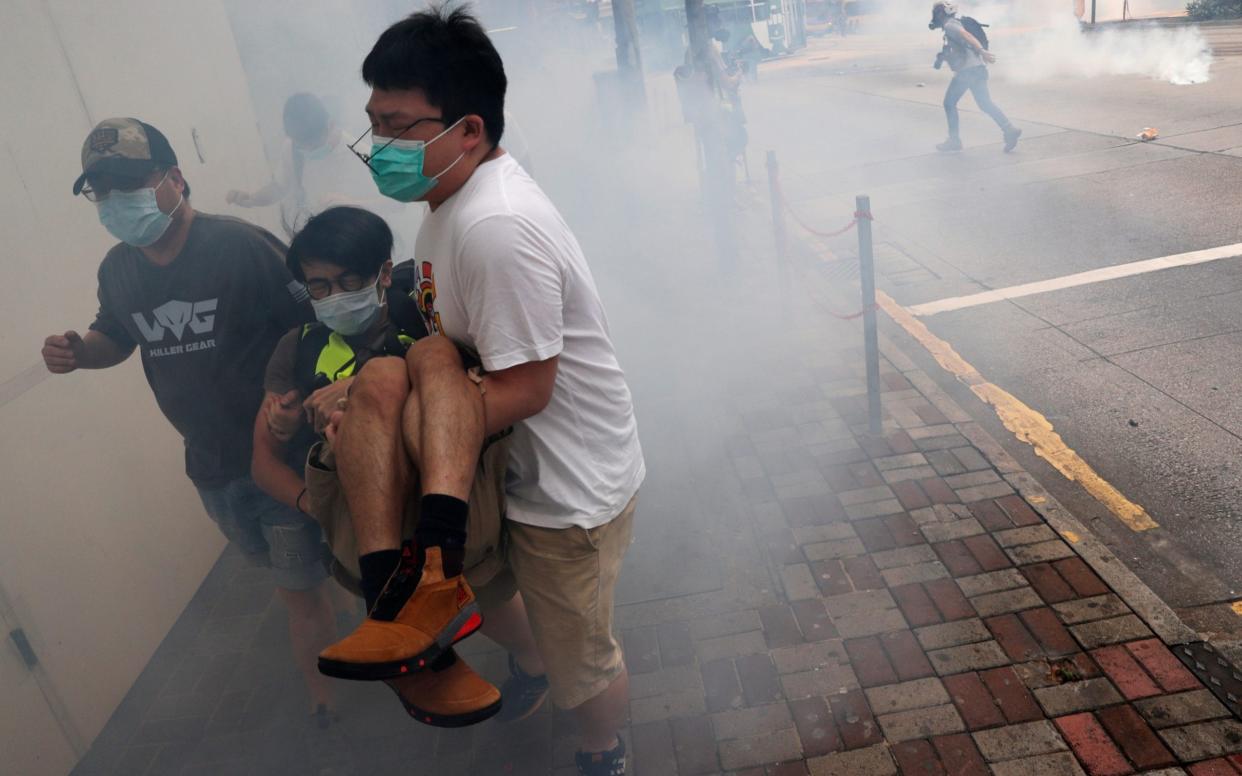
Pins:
<point x="503" y="407"/>
<point x="518" y="393"/>
<point x="270" y="472"/>
<point x="100" y="351"/>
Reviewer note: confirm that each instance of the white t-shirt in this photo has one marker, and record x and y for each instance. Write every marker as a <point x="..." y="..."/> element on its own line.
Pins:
<point x="507" y="278"/>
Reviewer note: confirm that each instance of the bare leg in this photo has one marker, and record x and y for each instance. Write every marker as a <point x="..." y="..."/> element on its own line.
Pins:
<point x="370" y="457"/>
<point x="443" y="419"/>
<point x="600" y="718"/>
<point x="508" y="626"/>
<point x="312" y="626"/>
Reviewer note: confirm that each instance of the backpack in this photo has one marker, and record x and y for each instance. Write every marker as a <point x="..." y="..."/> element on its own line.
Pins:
<point x="975" y="28"/>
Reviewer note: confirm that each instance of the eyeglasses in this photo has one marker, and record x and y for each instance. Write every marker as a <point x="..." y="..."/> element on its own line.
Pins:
<point x="321" y="288"/>
<point x="100" y="187"/>
<point x="366" y="158"/>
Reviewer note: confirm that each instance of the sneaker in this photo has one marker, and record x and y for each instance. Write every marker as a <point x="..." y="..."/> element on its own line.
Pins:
<point x="1011" y="138"/>
<point x="610" y="763"/>
<point x="523" y="693"/>
<point x="448" y="694"/>
<point x="418" y="616"/>
<point x="950" y="145"/>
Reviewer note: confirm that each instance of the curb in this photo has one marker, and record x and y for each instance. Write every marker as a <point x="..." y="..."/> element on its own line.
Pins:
<point x="1144" y="601"/>
<point x="1158" y="615"/>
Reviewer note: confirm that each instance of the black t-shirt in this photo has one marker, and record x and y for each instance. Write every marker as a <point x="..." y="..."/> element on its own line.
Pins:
<point x="206" y="325"/>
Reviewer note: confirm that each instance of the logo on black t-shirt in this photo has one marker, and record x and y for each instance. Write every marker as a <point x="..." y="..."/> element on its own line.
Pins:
<point x="176" y="316"/>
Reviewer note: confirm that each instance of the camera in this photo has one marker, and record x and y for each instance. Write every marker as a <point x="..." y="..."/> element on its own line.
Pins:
<point x="939" y="63"/>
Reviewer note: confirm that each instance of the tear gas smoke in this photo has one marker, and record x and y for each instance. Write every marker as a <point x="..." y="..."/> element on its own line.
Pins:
<point x="1041" y="40"/>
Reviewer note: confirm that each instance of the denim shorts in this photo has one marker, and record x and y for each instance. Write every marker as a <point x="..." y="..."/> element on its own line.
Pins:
<point x="269" y="533"/>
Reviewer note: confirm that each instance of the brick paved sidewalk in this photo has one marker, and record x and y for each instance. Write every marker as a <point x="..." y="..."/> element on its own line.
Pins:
<point x="931" y="622"/>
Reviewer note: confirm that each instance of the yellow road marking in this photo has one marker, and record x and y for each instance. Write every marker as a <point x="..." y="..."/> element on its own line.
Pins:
<point x="1237" y="607"/>
<point x="1025" y="423"/>
<point x="1072" y="537"/>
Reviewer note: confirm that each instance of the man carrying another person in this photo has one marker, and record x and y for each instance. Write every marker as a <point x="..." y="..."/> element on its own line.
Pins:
<point x="500" y="275"/>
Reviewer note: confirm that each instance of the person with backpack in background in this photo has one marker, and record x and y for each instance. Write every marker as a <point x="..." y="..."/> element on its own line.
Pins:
<point x="966" y="51"/>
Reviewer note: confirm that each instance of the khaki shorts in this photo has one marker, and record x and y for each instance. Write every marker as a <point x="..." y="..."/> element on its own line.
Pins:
<point x="567" y="578"/>
<point x="485" y="568"/>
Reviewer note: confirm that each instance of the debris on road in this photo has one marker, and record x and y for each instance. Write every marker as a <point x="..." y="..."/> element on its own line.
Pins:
<point x="1149" y="134"/>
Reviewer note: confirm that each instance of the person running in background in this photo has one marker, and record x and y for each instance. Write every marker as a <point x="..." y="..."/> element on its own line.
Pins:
<point x="968" y="58"/>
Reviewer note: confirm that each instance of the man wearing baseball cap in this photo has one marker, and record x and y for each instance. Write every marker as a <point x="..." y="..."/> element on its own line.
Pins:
<point x="204" y="298"/>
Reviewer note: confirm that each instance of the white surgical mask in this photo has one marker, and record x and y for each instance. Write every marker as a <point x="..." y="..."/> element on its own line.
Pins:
<point x="350" y="312"/>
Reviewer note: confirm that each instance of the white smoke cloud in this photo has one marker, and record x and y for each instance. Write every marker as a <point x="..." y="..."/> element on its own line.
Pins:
<point x="1178" y="55"/>
<point x="1040" y="40"/>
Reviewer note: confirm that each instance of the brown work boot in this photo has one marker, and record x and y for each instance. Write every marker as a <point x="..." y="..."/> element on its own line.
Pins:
<point x="418" y="616"/>
<point x="448" y="694"/>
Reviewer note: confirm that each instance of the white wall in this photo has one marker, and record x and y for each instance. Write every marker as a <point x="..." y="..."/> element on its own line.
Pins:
<point x="103" y="538"/>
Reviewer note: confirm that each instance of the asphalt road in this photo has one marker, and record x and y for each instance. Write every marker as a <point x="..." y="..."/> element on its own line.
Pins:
<point x="1139" y="375"/>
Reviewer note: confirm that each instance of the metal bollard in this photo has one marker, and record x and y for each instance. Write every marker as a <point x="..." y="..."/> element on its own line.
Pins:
<point x="871" y="343"/>
<point x="778" y="215"/>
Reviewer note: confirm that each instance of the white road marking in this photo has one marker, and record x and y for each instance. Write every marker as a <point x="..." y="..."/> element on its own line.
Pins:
<point x="1078" y="279"/>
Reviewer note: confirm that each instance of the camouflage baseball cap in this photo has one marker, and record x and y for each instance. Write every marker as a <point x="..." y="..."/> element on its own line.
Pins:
<point x="126" y="147"/>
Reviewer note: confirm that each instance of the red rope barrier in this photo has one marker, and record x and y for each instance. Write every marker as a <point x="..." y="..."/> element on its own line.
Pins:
<point x="859" y="215"/>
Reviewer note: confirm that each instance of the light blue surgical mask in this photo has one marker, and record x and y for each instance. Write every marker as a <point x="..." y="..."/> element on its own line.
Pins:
<point x="134" y="217"/>
<point x="397" y="166"/>
<point x="350" y="312"/>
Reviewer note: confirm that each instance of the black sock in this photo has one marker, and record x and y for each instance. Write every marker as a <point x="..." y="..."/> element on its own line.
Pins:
<point x="376" y="568"/>
<point x="442" y="523"/>
<point x="444" y="661"/>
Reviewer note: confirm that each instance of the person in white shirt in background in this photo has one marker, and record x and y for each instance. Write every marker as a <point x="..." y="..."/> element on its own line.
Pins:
<point x="318" y="171"/>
